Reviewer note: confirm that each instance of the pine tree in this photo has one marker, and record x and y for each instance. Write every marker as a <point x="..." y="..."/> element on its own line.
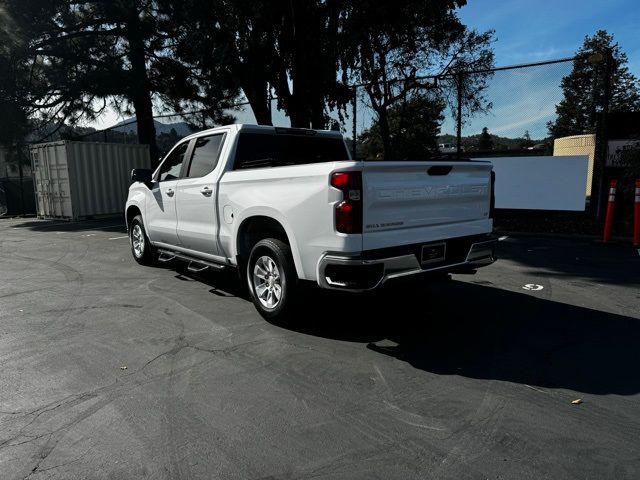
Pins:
<point x="526" y="140"/>
<point x="485" y="142"/>
<point x="583" y="88"/>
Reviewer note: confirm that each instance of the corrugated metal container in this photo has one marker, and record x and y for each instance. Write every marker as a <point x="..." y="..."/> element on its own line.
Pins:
<point x="77" y="180"/>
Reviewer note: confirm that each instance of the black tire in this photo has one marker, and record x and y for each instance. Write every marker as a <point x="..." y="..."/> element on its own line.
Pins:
<point x="280" y="254"/>
<point x="147" y="254"/>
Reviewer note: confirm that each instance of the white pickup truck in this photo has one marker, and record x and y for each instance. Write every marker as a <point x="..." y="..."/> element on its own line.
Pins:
<point x="287" y="205"/>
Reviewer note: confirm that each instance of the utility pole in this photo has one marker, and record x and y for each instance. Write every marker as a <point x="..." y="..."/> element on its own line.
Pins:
<point x="354" y="133"/>
<point x="270" y="104"/>
<point x="601" y="131"/>
<point x="459" y="119"/>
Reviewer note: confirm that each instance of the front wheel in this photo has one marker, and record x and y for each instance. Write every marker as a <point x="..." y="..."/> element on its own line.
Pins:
<point x="141" y="248"/>
<point x="272" y="279"/>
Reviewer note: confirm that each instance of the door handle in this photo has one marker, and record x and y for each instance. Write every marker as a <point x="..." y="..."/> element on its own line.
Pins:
<point x="169" y="192"/>
<point x="206" y="191"/>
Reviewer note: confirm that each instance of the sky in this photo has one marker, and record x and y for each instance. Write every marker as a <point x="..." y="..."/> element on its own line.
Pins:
<point x="528" y="31"/>
<point x="525" y="31"/>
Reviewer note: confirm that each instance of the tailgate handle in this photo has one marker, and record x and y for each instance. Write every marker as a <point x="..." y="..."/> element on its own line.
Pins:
<point x="439" y="170"/>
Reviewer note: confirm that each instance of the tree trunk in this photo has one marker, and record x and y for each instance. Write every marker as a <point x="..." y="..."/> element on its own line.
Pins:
<point x="299" y="98"/>
<point x="293" y="101"/>
<point x="140" y="93"/>
<point x="303" y="58"/>
<point x="259" y="102"/>
<point x="318" y="119"/>
<point x="298" y="114"/>
<point x="385" y="133"/>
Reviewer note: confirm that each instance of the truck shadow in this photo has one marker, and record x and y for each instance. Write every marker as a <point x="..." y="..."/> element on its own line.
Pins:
<point x="483" y="332"/>
<point x="112" y="225"/>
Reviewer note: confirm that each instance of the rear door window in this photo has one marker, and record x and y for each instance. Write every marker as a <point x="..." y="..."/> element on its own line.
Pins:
<point x="258" y="150"/>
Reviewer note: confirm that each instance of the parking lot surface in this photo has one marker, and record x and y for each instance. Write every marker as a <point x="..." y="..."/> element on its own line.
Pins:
<point x="113" y="370"/>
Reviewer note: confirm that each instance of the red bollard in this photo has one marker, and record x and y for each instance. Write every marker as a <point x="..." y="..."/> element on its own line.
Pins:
<point x="636" y="217"/>
<point x="608" y="222"/>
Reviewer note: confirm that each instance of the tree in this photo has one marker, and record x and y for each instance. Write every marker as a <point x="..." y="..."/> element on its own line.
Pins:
<point x="389" y="47"/>
<point x="305" y="80"/>
<point x="414" y="125"/>
<point x="91" y="53"/>
<point x="199" y="54"/>
<point x="16" y="83"/>
<point x="486" y="141"/>
<point x="526" y="140"/>
<point x="583" y="89"/>
<point x="294" y="50"/>
<point x="228" y="45"/>
<point x="17" y="87"/>
<point x="167" y="140"/>
<point x="282" y="47"/>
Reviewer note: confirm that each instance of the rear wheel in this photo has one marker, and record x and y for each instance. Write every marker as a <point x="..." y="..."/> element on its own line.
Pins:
<point x="272" y="279"/>
<point x="141" y="248"/>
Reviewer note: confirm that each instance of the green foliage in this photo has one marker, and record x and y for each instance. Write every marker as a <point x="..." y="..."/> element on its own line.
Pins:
<point x="414" y="124"/>
<point x="584" y="87"/>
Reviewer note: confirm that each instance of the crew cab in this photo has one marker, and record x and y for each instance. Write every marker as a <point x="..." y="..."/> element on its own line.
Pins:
<point x="286" y="205"/>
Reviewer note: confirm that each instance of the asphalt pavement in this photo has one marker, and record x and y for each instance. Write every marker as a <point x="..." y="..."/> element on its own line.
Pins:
<point x="529" y="369"/>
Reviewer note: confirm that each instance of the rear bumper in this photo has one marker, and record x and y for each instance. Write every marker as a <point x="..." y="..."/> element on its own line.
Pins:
<point x="372" y="269"/>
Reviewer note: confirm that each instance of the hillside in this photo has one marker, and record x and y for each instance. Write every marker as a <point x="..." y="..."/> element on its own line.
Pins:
<point x="471" y="142"/>
<point x="181" y="128"/>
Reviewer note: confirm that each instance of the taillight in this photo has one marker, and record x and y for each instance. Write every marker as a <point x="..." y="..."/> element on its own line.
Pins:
<point x="349" y="210"/>
<point x="492" y="205"/>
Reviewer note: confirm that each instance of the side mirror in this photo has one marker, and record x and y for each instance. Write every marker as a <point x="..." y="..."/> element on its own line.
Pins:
<point x="141" y="175"/>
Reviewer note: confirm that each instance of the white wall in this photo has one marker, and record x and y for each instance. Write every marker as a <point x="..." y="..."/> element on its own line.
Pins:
<point x="541" y="183"/>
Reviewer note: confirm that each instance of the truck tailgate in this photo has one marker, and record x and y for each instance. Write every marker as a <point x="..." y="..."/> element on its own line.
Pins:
<point x="413" y="202"/>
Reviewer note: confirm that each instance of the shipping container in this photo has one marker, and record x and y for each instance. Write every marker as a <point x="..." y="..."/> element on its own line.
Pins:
<point x="79" y="180"/>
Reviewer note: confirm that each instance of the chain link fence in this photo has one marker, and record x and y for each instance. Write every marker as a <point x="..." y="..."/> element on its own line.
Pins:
<point x="16" y="182"/>
<point x="485" y="113"/>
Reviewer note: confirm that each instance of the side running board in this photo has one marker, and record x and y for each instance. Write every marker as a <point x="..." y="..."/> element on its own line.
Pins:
<point x="195" y="264"/>
<point x="196" y="269"/>
<point x="165" y="257"/>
